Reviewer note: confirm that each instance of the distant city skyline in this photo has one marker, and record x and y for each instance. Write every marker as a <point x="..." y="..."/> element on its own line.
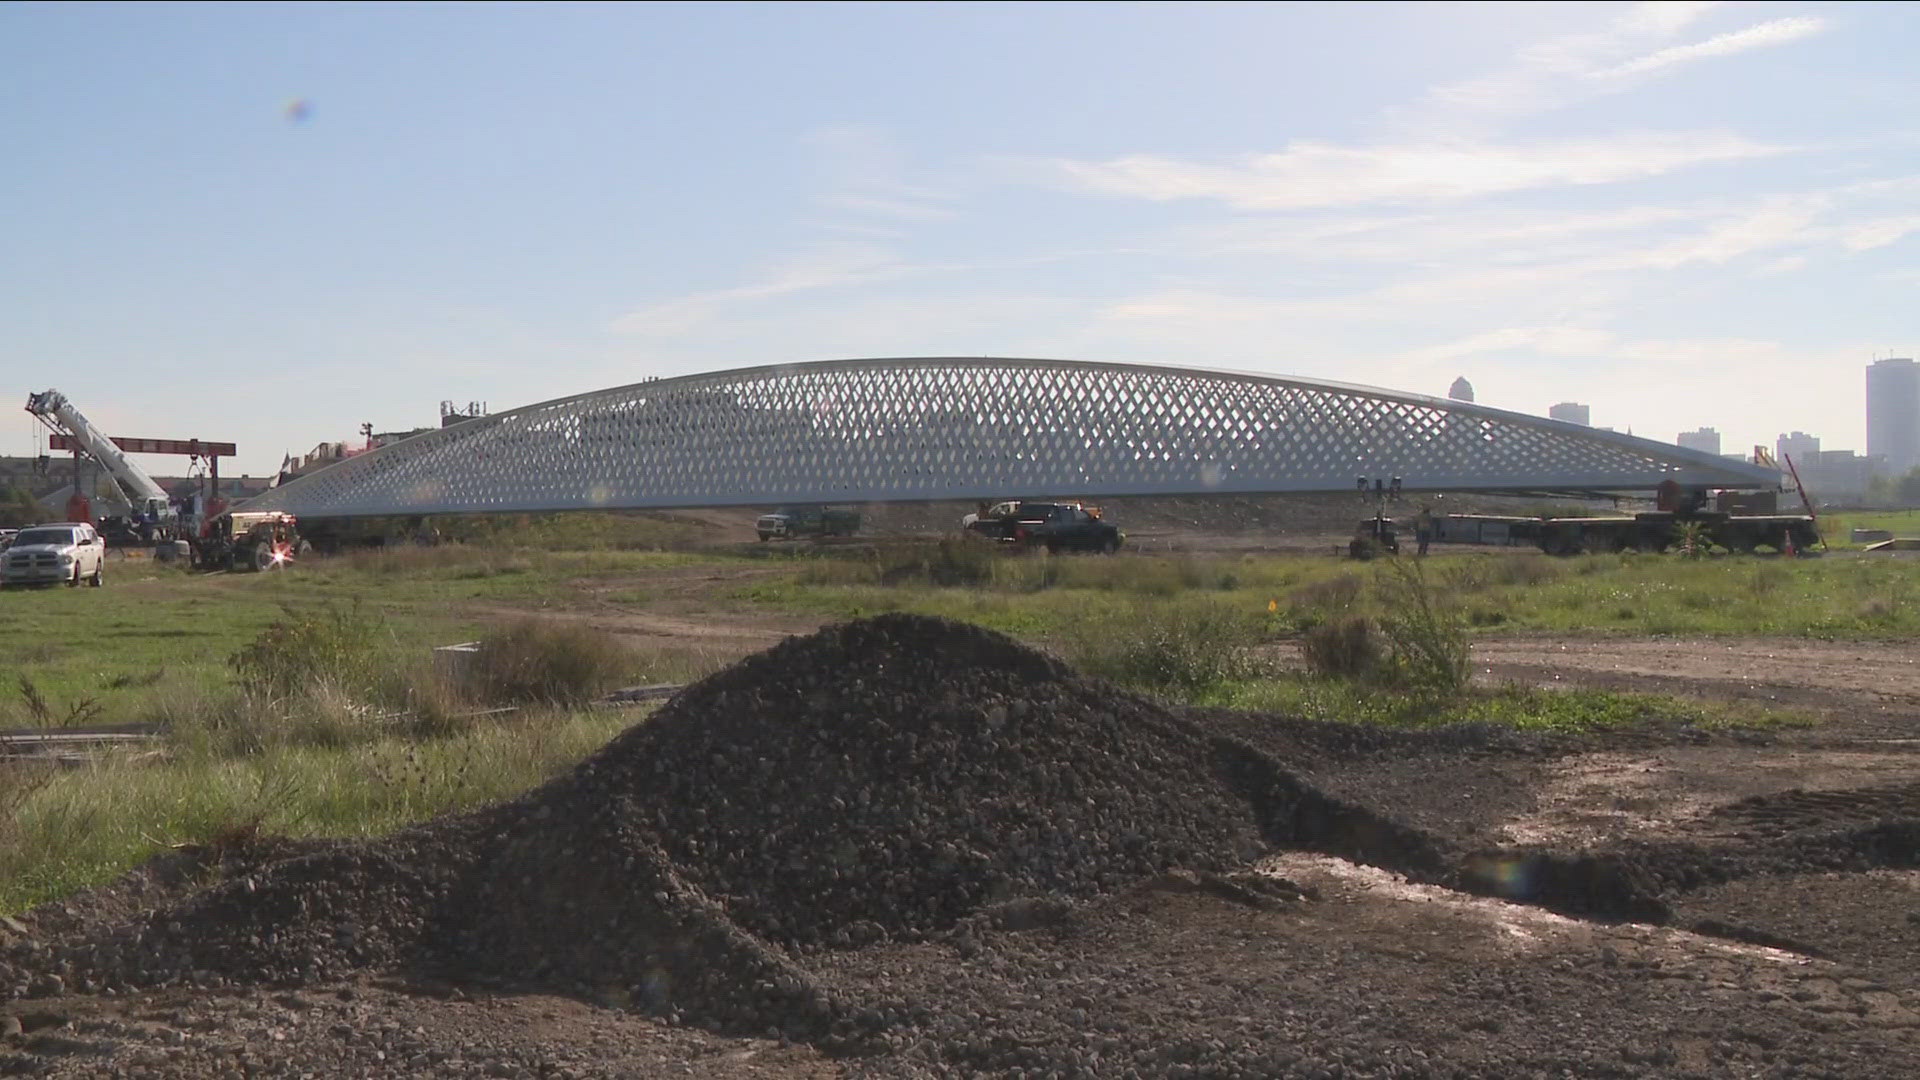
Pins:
<point x="268" y="224"/>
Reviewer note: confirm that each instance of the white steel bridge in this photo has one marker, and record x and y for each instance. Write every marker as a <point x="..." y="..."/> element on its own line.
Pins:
<point x="903" y="430"/>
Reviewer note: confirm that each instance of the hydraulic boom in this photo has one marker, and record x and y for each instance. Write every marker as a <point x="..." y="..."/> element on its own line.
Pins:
<point x="145" y="496"/>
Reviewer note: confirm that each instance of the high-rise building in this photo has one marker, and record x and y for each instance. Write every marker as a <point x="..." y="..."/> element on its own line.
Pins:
<point x="1799" y="446"/>
<point x="1573" y="413"/>
<point x="1462" y="390"/>
<point x="1706" y="440"/>
<point x="1893" y="413"/>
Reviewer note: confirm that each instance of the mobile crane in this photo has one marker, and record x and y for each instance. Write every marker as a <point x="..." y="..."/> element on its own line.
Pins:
<point x="216" y="538"/>
<point x="145" y="498"/>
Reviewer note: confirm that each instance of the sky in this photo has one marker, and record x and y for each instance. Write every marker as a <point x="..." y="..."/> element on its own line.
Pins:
<point x="269" y="224"/>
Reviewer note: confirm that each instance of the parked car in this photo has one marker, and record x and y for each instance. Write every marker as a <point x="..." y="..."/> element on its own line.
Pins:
<point x="66" y="551"/>
<point x="1054" y="526"/>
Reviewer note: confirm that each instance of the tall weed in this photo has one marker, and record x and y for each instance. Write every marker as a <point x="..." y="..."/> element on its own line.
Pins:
<point x="1424" y="629"/>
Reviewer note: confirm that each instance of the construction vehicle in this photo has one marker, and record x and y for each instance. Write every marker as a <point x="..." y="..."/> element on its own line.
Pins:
<point x="249" y="540"/>
<point x="216" y="539"/>
<point x="146" y="500"/>
<point x="1738" y="522"/>
<point x="1373" y="536"/>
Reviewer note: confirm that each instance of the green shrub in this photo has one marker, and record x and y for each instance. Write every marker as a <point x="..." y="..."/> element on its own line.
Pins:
<point x="324" y="643"/>
<point x="1178" y="650"/>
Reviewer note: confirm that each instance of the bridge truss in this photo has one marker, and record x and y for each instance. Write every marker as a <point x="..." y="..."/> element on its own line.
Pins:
<point x="902" y="430"/>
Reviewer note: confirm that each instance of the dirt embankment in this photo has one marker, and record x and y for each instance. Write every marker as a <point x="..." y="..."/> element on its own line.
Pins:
<point x="907" y="847"/>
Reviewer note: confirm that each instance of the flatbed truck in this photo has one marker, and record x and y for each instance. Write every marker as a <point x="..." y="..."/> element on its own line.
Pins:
<point x="1654" y="530"/>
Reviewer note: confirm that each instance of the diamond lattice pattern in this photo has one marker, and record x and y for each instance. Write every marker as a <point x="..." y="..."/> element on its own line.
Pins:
<point x="905" y="430"/>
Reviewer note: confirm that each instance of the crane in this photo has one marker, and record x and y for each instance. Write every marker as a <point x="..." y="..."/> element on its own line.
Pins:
<point x="138" y="490"/>
<point x="216" y="537"/>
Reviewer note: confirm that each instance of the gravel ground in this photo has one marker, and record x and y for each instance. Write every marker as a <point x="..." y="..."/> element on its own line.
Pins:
<point x="908" y="847"/>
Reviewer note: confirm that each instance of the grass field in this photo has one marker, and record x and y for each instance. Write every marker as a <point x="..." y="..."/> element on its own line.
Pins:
<point x="369" y="740"/>
<point x="1841" y="597"/>
<point x="1838" y="527"/>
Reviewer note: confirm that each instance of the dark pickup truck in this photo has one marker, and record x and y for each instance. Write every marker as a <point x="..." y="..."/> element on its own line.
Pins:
<point x="1054" y="526"/>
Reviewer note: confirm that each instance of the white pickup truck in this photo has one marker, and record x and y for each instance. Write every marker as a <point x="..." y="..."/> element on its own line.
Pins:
<point x="67" y="551"/>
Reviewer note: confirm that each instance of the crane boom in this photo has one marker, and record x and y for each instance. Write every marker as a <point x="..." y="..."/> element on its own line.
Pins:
<point x="55" y="411"/>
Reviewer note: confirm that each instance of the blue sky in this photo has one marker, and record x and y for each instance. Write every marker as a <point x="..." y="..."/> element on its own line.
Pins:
<point x="1682" y="214"/>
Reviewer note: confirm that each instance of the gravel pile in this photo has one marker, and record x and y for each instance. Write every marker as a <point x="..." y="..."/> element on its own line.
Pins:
<point x="880" y="780"/>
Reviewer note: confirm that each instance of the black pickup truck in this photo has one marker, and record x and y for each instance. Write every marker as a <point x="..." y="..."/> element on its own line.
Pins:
<point x="1054" y="526"/>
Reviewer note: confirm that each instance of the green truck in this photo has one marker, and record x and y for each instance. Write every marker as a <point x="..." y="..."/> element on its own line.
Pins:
<point x="797" y="522"/>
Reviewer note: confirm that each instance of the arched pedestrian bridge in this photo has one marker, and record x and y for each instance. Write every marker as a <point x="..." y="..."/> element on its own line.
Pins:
<point x="901" y="430"/>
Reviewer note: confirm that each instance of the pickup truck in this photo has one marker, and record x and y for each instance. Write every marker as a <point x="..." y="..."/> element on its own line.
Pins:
<point x="794" y="522"/>
<point x="1054" y="526"/>
<point x="66" y="552"/>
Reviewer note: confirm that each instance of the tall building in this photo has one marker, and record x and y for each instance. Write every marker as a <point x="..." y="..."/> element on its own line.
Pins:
<point x="1462" y="390"/>
<point x="1800" y="446"/>
<point x="1893" y="413"/>
<point x="1573" y="413"/>
<point x="1706" y="440"/>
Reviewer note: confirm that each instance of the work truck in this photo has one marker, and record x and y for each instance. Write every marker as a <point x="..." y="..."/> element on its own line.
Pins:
<point x="1731" y="521"/>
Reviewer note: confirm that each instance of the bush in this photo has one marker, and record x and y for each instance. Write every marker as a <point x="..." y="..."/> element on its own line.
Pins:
<point x="1341" y="647"/>
<point x="546" y="662"/>
<point x="302" y="648"/>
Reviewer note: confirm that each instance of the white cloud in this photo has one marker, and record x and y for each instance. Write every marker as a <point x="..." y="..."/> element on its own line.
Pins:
<point x="1309" y="175"/>
<point x="1760" y="36"/>
<point x="1562" y="70"/>
<point x="1879" y="232"/>
<point x="1665" y="19"/>
<point x="863" y="172"/>
<point x="823" y="266"/>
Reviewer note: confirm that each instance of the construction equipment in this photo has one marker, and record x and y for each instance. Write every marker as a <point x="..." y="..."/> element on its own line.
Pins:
<point x="145" y="498"/>
<point x="216" y="539"/>
<point x="1737" y="522"/>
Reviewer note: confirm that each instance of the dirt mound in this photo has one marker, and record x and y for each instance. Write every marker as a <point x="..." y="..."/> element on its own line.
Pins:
<point x="894" y="774"/>
<point x="883" y="779"/>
